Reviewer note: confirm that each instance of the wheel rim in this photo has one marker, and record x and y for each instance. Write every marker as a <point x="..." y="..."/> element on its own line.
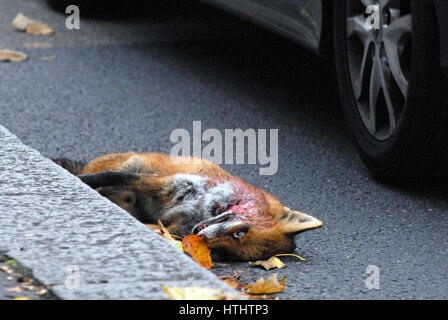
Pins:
<point x="379" y="62"/>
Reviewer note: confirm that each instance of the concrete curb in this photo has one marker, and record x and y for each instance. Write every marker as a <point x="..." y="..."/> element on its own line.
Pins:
<point x="52" y="223"/>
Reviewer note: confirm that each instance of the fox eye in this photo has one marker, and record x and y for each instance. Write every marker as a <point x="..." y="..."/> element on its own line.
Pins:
<point x="239" y="234"/>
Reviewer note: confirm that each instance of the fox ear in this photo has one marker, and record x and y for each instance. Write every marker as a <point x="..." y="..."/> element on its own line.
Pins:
<point x="294" y="222"/>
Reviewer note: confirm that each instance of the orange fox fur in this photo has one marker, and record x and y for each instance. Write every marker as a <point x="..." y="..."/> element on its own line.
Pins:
<point x="190" y="195"/>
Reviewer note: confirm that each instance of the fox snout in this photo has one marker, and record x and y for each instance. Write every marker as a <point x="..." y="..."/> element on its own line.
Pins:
<point x="231" y="237"/>
<point x="213" y="227"/>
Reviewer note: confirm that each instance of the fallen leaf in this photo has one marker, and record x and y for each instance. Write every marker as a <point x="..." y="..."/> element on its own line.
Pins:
<point x="38" y="28"/>
<point x="252" y="296"/>
<point x="11" y="262"/>
<point x="29" y="286"/>
<point x="235" y="276"/>
<point x="272" y="263"/>
<point x="178" y="245"/>
<point x="14" y="289"/>
<point x="6" y="269"/>
<point x="164" y="231"/>
<point x="30" y="26"/>
<point x="196" y="247"/>
<point x="21" y="22"/>
<point x="262" y="286"/>
<point x="289" y="255"/>
<point x="233" y="280"/>
<point x="12" y="56"/>
<point x="169" y="237"/>
<point x="198" y="293"/>
<point x="21" y="298"/>
<point x="41" y="292"/>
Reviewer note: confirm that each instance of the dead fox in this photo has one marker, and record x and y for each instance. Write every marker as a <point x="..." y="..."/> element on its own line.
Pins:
<point x="237" y="220"/>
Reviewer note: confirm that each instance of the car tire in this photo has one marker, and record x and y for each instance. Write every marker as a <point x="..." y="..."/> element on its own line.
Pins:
<point x="392" y="90"/>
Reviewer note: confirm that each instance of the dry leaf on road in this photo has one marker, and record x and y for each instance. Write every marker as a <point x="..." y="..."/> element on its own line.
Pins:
<point x="198" y="293"/>
<point x="233" y="280"/>
<point x="167" y="235"/>
<point x="30" y="26"/>
<point x="196" y="247"/>
<point x="21" y="22"/>
<point x="38" y="28"/>
<point x="289" y="255"/>
<point x="272" y="263"/>
<point x="15" y="289"/>
<point x="12" y="56"/>
<point x="6" y="269"/>
<point x="262" y="286"/>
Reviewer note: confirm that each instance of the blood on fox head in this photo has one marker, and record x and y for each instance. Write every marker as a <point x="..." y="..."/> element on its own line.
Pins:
<point x="254" y="225"/>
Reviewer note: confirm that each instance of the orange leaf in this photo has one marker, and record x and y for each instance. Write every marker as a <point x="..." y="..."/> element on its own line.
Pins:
<point x="271" y="285"/>
<point x="196" y="247"/>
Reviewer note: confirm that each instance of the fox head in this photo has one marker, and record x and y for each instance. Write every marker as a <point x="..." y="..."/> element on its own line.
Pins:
<point x="238" y="221"/>
<point x="254" y="228"/>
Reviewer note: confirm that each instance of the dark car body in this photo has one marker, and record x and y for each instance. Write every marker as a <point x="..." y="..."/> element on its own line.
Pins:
<point x="309" y="22"/>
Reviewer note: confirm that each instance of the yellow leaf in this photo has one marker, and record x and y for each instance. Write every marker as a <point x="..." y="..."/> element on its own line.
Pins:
<point x="168" y="236"/>
<point x="196" y="247"/>
<point x="178" y="245"/>
<point x="271" y="285"/>
<point x="273" y="262"/>
<point x="12" y="56"/>
<point x="289" y="255"/>
<point x="164" y="232"/>
<point x="198" y="293"/>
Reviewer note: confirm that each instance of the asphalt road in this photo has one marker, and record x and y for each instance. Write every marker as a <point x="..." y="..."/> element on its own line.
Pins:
<point x="128" y="78"/>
